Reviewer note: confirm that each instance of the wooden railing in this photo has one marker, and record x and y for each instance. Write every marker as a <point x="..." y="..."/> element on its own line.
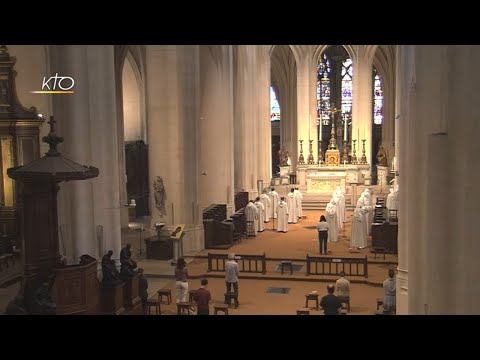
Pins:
<point x="246" y="263"/>
<point x="334" y="265"/>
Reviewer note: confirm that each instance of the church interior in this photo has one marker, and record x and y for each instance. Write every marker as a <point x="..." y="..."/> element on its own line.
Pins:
<point x="135" y="177"/>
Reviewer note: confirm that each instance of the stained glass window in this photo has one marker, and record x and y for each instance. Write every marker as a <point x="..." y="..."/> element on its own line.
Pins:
<point x="377" y="98"/>
<point x="274" y="106"/>
<point x="347" y="74"/>
<point x="323" y="89"/>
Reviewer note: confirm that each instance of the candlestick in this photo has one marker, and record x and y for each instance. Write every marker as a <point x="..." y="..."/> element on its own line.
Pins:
<point x="301" y="159"/>
<point x="320" y="153"/>
<point x="310" y="159"/>
<point x="363" y="159"/>
<point x="345" y="125"/>
<point x="354" y="155"/>
<point x="345" y="153"/>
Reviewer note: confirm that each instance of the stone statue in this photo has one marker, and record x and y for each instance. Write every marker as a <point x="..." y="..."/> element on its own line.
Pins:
<point x="127" y="263"/>
<point x="86" y="259"/>
<point x="109" y="271"/>
<point x="382" y="156"/>
<point x="283" y="155"/>
<point x="160" y="195"/>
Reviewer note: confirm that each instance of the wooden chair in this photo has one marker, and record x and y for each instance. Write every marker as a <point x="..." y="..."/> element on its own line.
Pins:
<point x="183" y="308"/>
<point x="165" y="292"/>
<point x="220" y="308"/>
<point x="286" y="264"/>
<point x="303" y="311"/>
<point x="191" y="294"/>
<point x="229" y="296"/>
<point x="313" y="297"/>
<point x="154" y="303"/>
<point x="346" y="301"/>
<point x="379" y="303"/>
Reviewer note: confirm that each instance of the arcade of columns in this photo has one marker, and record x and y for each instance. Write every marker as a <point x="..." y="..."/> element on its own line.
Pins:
<point x="208" y="113"/>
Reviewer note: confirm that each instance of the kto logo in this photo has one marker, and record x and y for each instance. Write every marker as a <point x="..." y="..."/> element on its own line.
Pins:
<point x="57" y="85"/>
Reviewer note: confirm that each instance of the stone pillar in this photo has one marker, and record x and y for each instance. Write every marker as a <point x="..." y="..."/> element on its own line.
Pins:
<point x="362" y="104"/>
<point x="306" y="116"/>
<point x="72" y="112"/>
<point x="264" y="122"/>
<point x="401" y="136"/>
<point x="215" y="139"/>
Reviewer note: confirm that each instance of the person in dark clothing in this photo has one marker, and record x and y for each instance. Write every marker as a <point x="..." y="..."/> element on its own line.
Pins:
<point x="142" y="289"/>
<point x="202" y="297"/>
<point x="330" y="303"/>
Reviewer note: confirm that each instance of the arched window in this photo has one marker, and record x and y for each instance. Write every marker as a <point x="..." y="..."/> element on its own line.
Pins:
<point x="377" y="98"/>
<point x="274" y="106"/>
<point x="323" y="90"/>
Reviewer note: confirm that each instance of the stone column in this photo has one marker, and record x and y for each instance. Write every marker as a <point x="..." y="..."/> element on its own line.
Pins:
<point x="264" y="122"/>
<point x="306" y="117"/>
<point x="215" y="141"/>
<point x="72" y="112"/>
<point x="401" y="136"/>
<point x="362" y="103"/>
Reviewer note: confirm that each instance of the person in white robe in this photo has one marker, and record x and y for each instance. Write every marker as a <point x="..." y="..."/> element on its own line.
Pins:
<point x="338" y="206"/>
<point x="359" y="236"/>
<point x="299" y="196"/>
<point x="274" y="200"/>
<point x="341" y="195"/>
<point x="265" y="200"/>
<point x="261" y="215"/>
<point x="282" y="215"/>
<point x="331" y="216"/>
<point x="292" y="207"/>
<point x="392" y="202"/>
<point x="251" y="215"/>
<point x="369" y="209"/>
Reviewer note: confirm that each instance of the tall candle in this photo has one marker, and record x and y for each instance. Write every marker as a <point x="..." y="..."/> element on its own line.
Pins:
<point x="309" y="123"/>
<point x="358" y="136"/>
<point x="345" y="127"/>
<point x="363" y="132"/>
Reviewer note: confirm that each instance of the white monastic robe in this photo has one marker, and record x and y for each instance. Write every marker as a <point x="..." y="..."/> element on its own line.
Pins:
<point x="282" y="216"/>
<point x="251" y="215"/>
<point x="292" y="207"/>
<point x="331" y="216"/>
<point x="368" y="209"/>
<point x="299" y="196"/>
<point x="338" y="207"/>
<point x="265" y="200"/>
<point x="261" y="215"/>
<point x="274" y="199"/>
<point x="358" y="238"/>
<point x="392" y="201"/>
<point x="341" y="196"/>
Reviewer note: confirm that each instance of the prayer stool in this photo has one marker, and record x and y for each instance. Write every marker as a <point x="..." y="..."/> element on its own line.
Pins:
<point x="191" y="294"/>
<point x="303" y="311"/>
<point x="287" y="264"/>
<point x="343" y="312"/>
<point x="154" y="303"/>
<point x="229" y="296"/>
<point x="313" y="297"/>
<point x="379" y="250"/>
<point x="165" y="292"/>
<point x="379" y="303"/>
<point x="218" y="308"/>
<point x="183" y="308"/>
<point x="346" y="301"/>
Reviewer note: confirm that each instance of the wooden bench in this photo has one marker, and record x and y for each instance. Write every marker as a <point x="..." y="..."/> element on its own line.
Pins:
<point x="343" y="311"/>
<point x="379" y="250"/>
<point x="313" y="297"/>
<point x="286" y="264"/>
<point x="153" y="303"/>
<point x="165" y="292"/>
<point x="346" y="301"/>
<point x="220" y="308"/>
<point x="303" y="311"/>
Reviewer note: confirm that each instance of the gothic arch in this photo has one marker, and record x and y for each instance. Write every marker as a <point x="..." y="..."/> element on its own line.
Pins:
<point x="294" y="48"/>
<point x="321" y="48"/>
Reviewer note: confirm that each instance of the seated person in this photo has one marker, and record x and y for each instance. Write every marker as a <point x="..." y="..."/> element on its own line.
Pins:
<point x="330" y="303"/>
<point x="343" y="288"/>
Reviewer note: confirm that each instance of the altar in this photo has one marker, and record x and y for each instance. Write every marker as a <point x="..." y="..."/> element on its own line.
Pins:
<point x="326" y="179"/>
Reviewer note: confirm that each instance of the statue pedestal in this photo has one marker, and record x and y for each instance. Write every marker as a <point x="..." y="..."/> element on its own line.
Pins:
<point x="382" y="176"/>
<point x="284" y="171"/>
<point x="112" y="299"/>
<point x="131" y="296"/>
